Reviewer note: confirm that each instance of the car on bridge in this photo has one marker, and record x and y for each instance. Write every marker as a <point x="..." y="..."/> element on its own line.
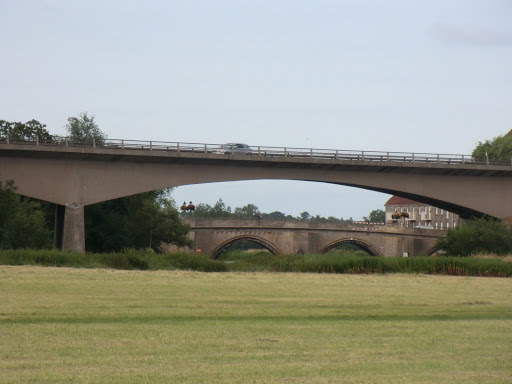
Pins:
<point x="235" y="148"/>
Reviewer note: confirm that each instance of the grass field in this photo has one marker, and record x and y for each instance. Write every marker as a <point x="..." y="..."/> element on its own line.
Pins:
<point x="60" y="325"/>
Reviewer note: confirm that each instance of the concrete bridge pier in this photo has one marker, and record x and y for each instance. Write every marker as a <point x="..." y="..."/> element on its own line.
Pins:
<point x="58" y="226"/>
<point x="72" y="228"/>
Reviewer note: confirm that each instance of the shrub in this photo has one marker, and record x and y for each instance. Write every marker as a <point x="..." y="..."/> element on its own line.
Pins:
<point x="477" y="236"/>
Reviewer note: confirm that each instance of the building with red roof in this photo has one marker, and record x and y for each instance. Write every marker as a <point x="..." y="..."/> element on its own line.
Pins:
<point x="402" y="212"/>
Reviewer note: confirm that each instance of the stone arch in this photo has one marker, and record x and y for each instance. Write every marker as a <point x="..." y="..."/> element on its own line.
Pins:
<point x="370" y="248"/>
<point x="267" y="244"/>
<point x="433" y="251"/>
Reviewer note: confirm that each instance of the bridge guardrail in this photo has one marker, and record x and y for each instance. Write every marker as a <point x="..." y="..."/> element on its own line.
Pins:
<point x="261" y="151"/>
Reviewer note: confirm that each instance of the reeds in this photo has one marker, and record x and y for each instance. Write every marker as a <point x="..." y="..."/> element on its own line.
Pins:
<point x="343" y="262"/>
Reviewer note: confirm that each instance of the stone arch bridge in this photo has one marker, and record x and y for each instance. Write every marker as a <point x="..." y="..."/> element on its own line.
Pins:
<point x="210" y="236"/>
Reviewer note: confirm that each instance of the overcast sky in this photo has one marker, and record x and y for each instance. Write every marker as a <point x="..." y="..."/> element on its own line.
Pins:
<point x="418" y="76"/>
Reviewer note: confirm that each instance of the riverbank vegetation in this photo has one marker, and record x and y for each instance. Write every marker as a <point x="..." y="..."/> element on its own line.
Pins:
<point x="477" y="236"/>
<point x="262" y="261"/>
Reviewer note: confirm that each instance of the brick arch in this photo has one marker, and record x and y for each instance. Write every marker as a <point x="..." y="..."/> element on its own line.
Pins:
<point x="368" y="247"/>
<point x="260" y="240"/>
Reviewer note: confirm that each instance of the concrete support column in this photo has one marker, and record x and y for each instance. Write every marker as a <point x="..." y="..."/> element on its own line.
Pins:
<point x="73" y="237"/>
<point x="58" y="227"/>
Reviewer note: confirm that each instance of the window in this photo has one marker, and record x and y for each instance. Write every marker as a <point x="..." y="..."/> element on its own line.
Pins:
<point x="437" y="211"/>
<point x="441" y="225"/>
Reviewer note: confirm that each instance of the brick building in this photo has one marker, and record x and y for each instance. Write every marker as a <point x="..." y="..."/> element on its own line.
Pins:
<point x="420" y="215"/>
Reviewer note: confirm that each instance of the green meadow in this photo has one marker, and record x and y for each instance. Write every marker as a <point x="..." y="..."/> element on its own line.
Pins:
<point x="62" y="325"/>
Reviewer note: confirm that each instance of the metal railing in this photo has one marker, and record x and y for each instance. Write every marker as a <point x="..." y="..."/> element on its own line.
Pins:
<point x="261" y="151"/>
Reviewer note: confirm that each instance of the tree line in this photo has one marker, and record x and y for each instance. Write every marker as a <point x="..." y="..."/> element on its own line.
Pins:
<point x="251" y="211"/>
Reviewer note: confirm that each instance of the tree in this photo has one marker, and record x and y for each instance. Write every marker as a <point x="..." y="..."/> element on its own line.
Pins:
<point x="139" y="221"/>
<point x="84" y="130"/>
<point x="24" y="132"/>
<point x="276" y="215"/>
<point x="376" y="216"/>
<point x="220" y="209"/>
<point x="22" y="223"/>
<point x="497" y="149"/>
<point x="304" y="216"/>
<point x="247" y="211"/>
<point x="477" y="236"/>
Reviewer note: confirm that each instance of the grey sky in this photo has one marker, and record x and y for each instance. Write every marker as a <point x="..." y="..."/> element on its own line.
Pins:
<point x="419" y="76"/>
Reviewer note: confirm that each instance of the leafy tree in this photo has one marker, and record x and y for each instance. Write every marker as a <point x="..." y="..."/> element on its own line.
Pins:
<point x="139" y="221"/>
<point x="84" y="130"/>
<point x="247" y="211"/>
<point x="497" y="149"/>
<point x="376" y="216"/>
<point x="22" y="223"/>
<point x="24" y="132"/>
<point x="304" y="216"/>
<point x="220" y="209"/>
<point x="477" y="236"/>
<point x="276" y="215"/>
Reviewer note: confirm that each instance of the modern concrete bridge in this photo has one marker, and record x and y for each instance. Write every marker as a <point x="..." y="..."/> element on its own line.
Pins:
<point x="74" y="176"/>
<point x="210" y="236"/>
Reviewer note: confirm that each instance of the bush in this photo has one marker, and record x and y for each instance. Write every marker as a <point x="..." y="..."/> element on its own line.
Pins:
<point x="477" y="236"/>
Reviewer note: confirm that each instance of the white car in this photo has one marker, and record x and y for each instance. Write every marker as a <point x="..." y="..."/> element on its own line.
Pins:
<point x="235" y="148"/>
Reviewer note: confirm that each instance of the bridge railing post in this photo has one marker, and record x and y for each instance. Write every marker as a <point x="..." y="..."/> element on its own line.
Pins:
<point x="7" y="138"/>
<point x="486" y="158"/>
<point x="150" y="145"/>
<point x="178" y="147"/>
<point x="122" y="144"/>
<point x="37" y="139"/>
<point x="94" y="142"/>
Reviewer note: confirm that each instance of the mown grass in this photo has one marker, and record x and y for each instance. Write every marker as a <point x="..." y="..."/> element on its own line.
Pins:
<point x="61" y="325"/>
<point x="341" y="262"/>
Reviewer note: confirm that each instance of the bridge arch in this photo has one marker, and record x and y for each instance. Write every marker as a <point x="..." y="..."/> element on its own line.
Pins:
<point x="432" y="251"/>
<point x="256" y="239"/>
<point x="371" y="249"/>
